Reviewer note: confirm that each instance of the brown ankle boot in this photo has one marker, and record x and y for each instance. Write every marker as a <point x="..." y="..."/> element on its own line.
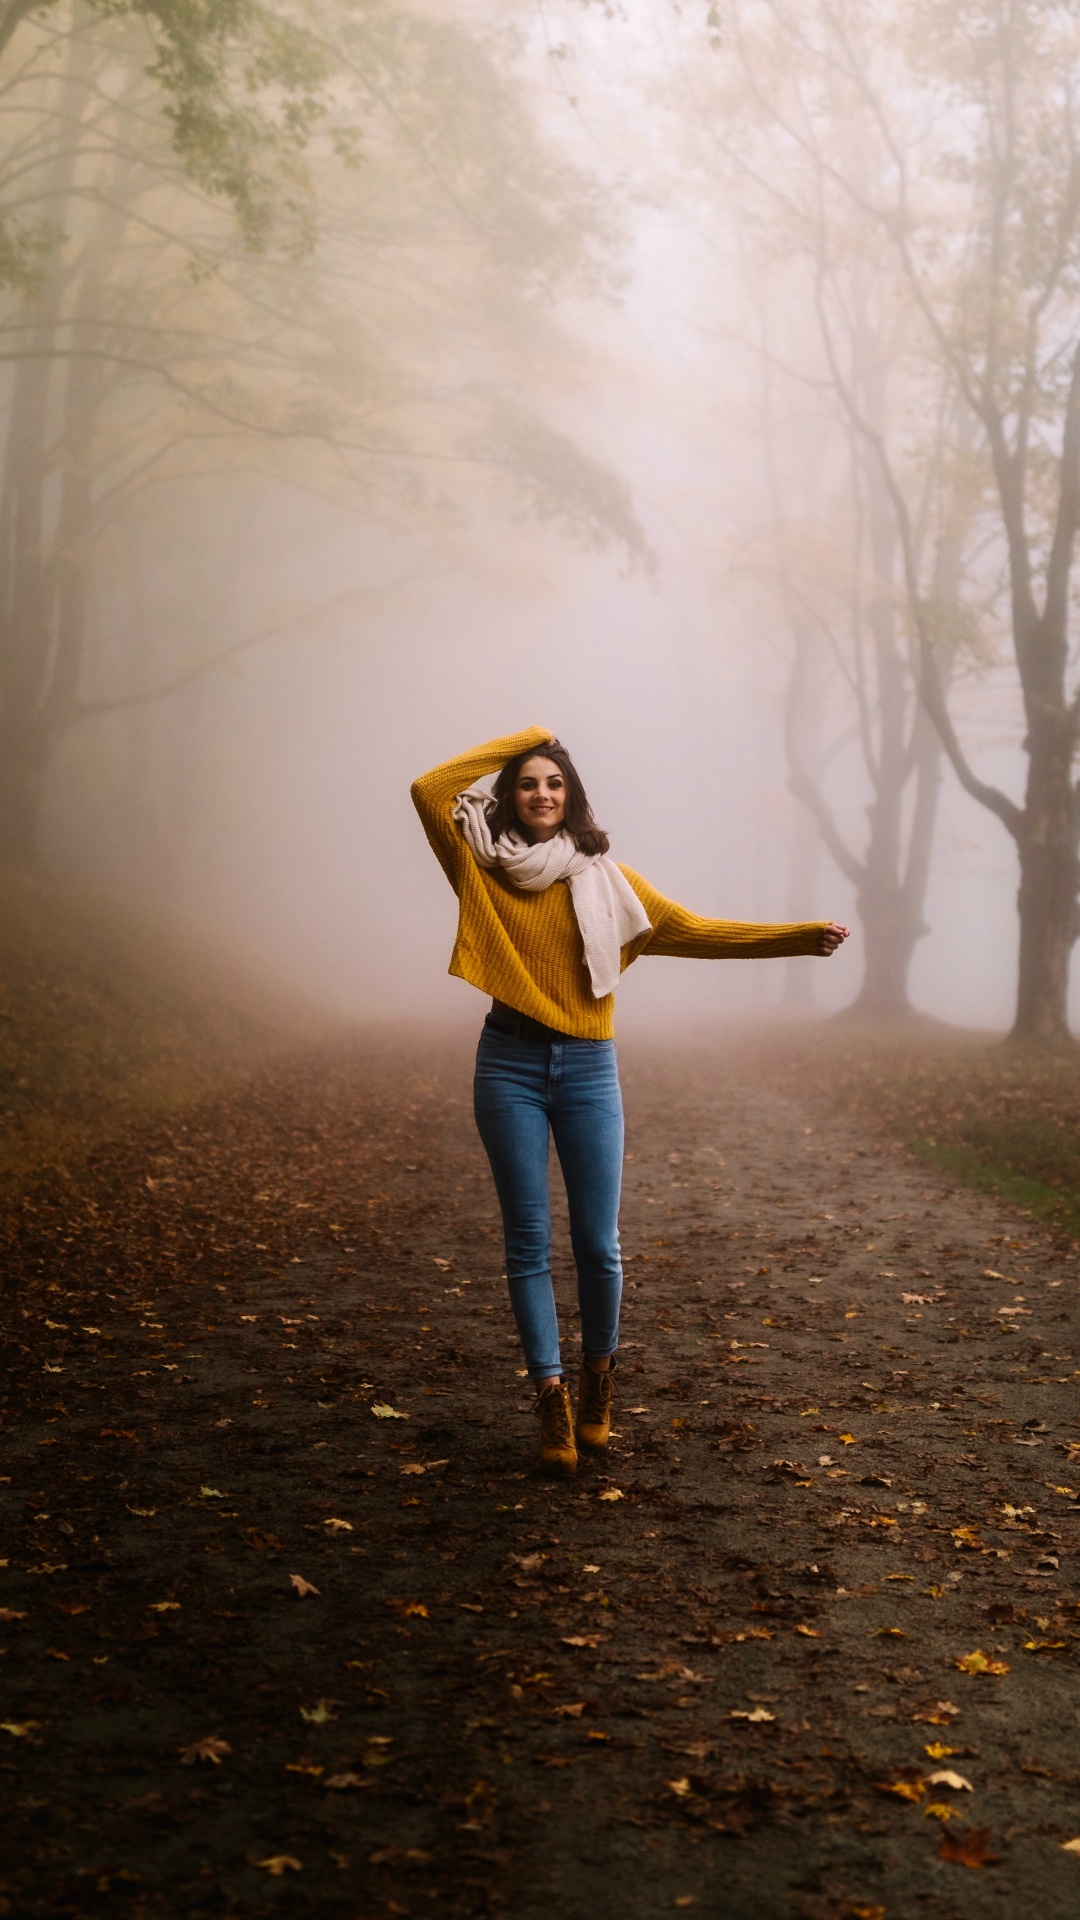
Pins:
<point x="594" y="1406"/>
<point x="558" y="1453"/>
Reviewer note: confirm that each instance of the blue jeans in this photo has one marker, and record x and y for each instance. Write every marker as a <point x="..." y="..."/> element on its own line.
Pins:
<point x="523" y="1087"/>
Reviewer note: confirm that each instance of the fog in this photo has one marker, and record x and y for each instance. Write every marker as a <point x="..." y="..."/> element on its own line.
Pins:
<point x="371" y="613"/>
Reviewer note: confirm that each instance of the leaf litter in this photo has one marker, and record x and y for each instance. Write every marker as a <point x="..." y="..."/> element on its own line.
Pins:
<point x="513" y="1611"/>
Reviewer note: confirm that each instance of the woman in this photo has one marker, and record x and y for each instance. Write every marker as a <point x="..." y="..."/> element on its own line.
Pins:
<point x="550" y="954"/>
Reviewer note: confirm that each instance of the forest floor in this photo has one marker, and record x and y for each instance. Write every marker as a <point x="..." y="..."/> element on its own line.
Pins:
<point x="292" y="1626"/>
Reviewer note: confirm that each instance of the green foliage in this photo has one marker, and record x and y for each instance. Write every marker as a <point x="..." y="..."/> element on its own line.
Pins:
<point x="24" y="249"/>
<point x="559" y="484"/>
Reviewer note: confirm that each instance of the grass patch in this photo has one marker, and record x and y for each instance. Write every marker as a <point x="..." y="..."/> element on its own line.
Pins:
<point x="996" y="1115"/>
<point x="1061" y="1209"/>
<point x="110" y="1018"/>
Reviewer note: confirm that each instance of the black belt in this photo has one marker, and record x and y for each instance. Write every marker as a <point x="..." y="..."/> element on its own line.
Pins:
<point x="506" y="1019"/>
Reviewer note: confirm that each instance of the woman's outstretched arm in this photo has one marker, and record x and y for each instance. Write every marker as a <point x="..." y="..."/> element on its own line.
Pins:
<point x="680" y="932"/>
<point x="433" y="793"/>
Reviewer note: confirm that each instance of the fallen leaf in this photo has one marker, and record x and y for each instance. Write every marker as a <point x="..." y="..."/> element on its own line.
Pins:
<point x="1071" y="1846"/>
<point x="581" y="1640"/>
<point x="302" y="1586"/>
<point x="339" y="1526"/>
<point x="967" y="1849"/>
<point x="19" y="1729"/>
<point x="681" y="1787"/>
<point x="941" y="1715"/>
<point x="528" y="1562"/>
<point x="444" y="1264"/>
<point x="978" y="1662"/>
<point x="613" y="1494"/>
<point x="810" y="1633"/>
<point x="758" y="1714"/>
<point x="903" y="1789"/>
<point x="572" y="1712"/>
<point x="938" y="1751"/>
<point x="340" y="1782"/>
<point x="262" y="1542"/>
<point x="143" y="1513"/>
<point x="966" y="1537"/>
<point x="211" y="1493"/>
<point x="318" y="1715"/>
<point x="305" y="1766"/>
<point x="210" y="1749"/>
<point x="7" y="1614"/>
<point x="940" y="1810"/>
<point x="414" y="1468"/>
<point x="164" y="1606"/>
<point x="848" y="1439"/>
<point x="946" y="1778"/>
<point x="409" y="1609"/>
<point x="383" y="1411"/>
<point x="280" y="1863"/>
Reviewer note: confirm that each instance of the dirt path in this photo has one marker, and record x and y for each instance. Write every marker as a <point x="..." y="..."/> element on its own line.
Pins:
<point x="712" y="1673"/>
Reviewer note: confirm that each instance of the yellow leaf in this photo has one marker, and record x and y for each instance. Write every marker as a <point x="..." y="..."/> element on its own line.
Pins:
<point x="809" y="1633"/>
<point x="164" y="1606"/>
<point x="211" y="1493"/>
<point x="280" y="1863"/>
<point x="754" y="1718"/>
<point x="681" y="1787"/>
<point x="339" y="1526"/>
<point x="318" y="1715"/>
<point x="940" y="1810"/>
<point x="978" y="1662"/>
<point x="383" y="1411"/>
<point x="937" y="1750"/>
<point x="904" y="1789"/>
<point x="613" y="1493"/>
<point x="848" y="1439"/>
<point x="303" y="1766"/>
<point x="20" y="1729"/>
<point x="1071" y="1846"/>
<point x="415" y="1467"/>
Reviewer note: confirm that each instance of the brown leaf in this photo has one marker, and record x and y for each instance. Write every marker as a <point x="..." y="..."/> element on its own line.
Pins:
<point x="210" y="1749"/>
<point x="8" y="1614"/>
<point x="967" y="1849"/>
<point x="280" y="1863"/>
<point x="302" y="1586"/>
<point x="340" y="1782"/>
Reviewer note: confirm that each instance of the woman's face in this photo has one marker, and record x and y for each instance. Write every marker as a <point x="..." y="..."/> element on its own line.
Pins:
<point x="540" y="797"/>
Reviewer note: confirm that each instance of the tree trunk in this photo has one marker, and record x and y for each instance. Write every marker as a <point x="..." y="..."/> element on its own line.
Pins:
<point x="24" y="752"/>
<point x="1049" y="879"/>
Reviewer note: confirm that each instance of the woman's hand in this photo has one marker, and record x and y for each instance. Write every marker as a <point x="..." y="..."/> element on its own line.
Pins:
<point x="833" y="936"/>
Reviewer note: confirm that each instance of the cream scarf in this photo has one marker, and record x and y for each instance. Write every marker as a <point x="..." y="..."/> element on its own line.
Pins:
<point x="609" y="913"/>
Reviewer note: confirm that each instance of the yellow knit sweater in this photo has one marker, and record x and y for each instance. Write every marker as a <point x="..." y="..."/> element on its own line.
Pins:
<point x="525" y="948"/>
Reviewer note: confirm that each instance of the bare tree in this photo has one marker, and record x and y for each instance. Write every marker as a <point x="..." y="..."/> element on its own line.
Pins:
<point x="943" y="140"/>
<point x="371" y="355"/>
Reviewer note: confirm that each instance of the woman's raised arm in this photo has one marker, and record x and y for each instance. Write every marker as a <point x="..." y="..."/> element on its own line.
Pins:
<point x="433" y="793"/>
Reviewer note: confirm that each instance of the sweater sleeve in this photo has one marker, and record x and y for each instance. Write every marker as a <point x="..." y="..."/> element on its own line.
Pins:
<point x="434" y="793"/>
<point x="679" y="932"/>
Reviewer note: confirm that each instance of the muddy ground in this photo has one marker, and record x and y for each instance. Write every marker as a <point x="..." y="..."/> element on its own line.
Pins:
<point x="291" y="1625"/>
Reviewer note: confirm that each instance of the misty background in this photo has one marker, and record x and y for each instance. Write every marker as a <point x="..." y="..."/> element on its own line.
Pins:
<point x="530" y="486"/>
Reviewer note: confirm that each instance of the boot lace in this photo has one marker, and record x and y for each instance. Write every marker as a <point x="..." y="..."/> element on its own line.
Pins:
<point x="554" y="1417"/>
<point x="599" y="1388"/>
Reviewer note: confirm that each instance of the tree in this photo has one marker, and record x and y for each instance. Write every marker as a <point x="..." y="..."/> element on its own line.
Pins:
<point x="365" y="343"/>
<point x="941" y="135"/>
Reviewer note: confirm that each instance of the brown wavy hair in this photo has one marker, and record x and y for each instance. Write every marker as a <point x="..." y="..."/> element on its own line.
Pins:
<point x="577" y="820"/>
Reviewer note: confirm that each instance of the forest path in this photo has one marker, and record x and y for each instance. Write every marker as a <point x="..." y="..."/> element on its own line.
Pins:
<point x="712" y="1673"/>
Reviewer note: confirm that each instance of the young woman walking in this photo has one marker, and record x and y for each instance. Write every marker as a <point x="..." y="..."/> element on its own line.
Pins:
<point x="550" y="954"/>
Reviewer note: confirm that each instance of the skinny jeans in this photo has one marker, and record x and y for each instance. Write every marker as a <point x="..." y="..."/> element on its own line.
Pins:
<point x="525" y="1091"/>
